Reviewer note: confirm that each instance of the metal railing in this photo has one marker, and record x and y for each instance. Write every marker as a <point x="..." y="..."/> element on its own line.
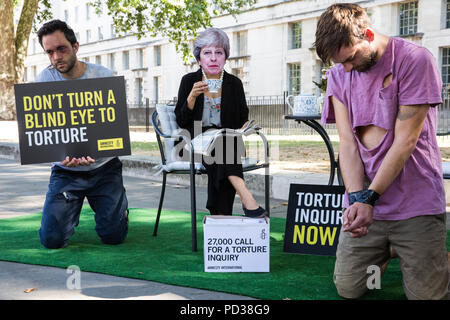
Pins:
<point x="139" y="115"/>
<point x="443" y="114"/>
<point x="269" y="112"/>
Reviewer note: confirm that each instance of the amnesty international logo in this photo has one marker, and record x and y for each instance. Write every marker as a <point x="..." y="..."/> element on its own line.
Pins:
<point x="110" y="144"/>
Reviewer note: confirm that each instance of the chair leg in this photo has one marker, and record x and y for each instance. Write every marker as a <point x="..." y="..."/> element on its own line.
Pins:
<point x="267" y="193"/>
<point x="193" y="213"/>
<point x="339" y="174"/>
<point x="161" y="200"/>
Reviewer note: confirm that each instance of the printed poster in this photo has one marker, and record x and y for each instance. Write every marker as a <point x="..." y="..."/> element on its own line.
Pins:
<point x="72" y="118"/>
<point x="314" y="219"/>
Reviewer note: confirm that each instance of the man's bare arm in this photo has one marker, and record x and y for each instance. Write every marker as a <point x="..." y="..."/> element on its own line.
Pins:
<point x="351" y="165"/>
<point x="408" y="126"/>
<point x="352" y="168"/>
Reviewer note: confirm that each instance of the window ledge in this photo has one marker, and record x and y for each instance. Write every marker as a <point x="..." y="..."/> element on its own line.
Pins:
<point x="238" y="57"/>
<point x="140" y="69"/>
<point x="412" y="35"/>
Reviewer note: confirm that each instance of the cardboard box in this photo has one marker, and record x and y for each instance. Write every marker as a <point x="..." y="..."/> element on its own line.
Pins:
<point x="236" y="244"/>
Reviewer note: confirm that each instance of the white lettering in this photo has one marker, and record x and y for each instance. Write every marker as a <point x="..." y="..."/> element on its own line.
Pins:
<point x="56" y="136"/>
<point x="74" y="280"/>
<point x="374" y="280"/>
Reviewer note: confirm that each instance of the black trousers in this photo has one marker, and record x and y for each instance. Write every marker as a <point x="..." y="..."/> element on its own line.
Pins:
<point x="225" y="161"/>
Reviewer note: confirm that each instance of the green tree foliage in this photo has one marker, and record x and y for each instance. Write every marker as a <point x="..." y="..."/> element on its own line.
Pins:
<point x="177" y="20"/>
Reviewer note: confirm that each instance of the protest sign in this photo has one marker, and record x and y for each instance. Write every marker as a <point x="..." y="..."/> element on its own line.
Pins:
<point x="236" y="244"/>
<point x="314" y="219"/>
<point x="72" y="118"/>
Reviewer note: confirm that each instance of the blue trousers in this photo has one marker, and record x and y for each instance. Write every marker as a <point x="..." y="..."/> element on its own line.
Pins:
<point x="103" y="188"/>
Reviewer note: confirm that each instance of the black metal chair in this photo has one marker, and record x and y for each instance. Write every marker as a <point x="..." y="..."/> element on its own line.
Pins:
<point x="164" y="123"/>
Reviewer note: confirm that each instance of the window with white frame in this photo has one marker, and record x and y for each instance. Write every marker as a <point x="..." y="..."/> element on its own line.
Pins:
<point x="139" y="91"/>
<point x="126" y="60"/>
<point x="241" y="43"/>
<point x="88" y="11"/>
<point x="294" y="78"/>
<point x="76" y="14"/>
<point x="112" y="61"/>
<point x="140" y="57"/>
<point x="100" y="33"/>
<point x="88" y="36"/>
<point x="98" y="59"/>
<point x="446" y="66"/>
<point x="408" y="18"/>
<point x="157" y="55"/>
<point x="447" y="16"/>
<point x="296" y="35"/>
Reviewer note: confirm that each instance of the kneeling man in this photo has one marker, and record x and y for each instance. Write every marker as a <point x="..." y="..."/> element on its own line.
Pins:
<point x="71" y="180"/>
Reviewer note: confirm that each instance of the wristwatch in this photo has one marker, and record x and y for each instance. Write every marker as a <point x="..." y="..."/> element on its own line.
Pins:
<point x="363" y="196"/>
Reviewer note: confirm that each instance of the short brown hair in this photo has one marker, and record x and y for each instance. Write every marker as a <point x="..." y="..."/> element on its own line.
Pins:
<point x="339" y="26"/>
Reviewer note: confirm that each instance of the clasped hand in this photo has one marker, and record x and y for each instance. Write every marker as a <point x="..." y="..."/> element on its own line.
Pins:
<point x="75" y="162"/>
<point x="357" y="218"/>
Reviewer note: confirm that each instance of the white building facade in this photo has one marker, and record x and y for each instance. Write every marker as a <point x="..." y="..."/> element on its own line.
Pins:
<point x="271" y="45"/>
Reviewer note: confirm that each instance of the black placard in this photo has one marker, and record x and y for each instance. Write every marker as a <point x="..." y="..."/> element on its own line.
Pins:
<point x="314" y="219"/>
<point x="72" y="118"/>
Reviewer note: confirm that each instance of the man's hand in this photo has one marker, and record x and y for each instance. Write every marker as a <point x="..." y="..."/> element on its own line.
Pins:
<point x="357" y="219"/>
<point x="75" y="162"/>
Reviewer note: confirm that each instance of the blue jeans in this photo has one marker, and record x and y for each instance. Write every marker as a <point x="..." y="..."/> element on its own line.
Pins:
<point x="103" y="187"/>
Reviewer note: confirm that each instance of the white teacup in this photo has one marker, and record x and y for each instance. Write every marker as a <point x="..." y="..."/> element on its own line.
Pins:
<point x="304" y="105"/>
<point x="214" y="85"/>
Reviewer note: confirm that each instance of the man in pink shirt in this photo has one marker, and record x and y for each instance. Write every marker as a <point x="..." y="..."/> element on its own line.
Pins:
<point x="383" y="94"/>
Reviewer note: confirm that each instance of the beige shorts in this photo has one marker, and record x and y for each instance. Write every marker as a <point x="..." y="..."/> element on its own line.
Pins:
<point x="420" y="246"/>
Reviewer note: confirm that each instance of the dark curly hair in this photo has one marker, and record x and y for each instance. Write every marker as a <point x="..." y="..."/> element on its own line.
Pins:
<point x="57" y="25"/>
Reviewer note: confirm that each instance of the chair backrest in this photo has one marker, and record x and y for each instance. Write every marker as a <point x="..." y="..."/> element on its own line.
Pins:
<point x="169" y="126"/>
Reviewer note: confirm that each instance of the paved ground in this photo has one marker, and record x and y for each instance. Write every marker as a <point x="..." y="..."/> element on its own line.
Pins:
<point x="50" y="284"/>
<point x="23" y="191"/>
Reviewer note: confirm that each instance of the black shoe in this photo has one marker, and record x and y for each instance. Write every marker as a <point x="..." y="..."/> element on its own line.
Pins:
<point x="256" y="213"/>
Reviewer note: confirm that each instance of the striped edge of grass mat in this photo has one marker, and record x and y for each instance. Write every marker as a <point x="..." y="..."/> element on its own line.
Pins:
<point x="168" y="258"/>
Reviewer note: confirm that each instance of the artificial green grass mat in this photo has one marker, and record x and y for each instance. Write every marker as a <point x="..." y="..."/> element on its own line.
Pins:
<point x="168" y="258"/>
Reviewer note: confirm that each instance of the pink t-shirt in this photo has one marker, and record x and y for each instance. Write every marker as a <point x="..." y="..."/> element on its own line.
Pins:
<point x="418" y="189"/>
